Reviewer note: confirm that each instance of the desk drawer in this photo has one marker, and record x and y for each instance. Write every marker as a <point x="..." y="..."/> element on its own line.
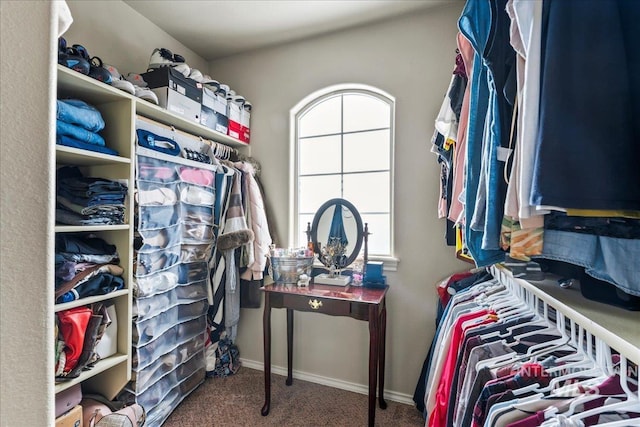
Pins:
<point x="318" y="305"/>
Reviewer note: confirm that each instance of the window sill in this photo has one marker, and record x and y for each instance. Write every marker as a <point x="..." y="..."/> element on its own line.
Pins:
<point x="389" y="263"/>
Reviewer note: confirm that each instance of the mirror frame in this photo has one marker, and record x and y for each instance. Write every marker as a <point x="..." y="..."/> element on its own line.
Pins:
<point x="360" y="229"/>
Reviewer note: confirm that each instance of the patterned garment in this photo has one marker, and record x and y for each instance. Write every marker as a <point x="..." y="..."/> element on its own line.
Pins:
<point x="227" y="359"/>
<point x="522" y="243"/>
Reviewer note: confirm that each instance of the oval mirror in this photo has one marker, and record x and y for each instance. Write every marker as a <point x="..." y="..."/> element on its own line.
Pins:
<point x="336" y="233"/>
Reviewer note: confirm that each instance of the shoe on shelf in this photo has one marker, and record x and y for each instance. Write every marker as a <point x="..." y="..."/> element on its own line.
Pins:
<point x="162" y="57"/>
<point x="99" y="72"/>
<point x="136" y="80"/>
<point x="118" y="81"/>
<point x="96" y="70"/>
<point x="141" y="89"/>
<point x="196" y="75"/>
<point x="72" y="59"/>
<point x="146" y="94"/>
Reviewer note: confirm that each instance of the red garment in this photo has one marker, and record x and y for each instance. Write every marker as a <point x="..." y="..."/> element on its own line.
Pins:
<point x="442" y="287"/>
<point x="438" y="416"/>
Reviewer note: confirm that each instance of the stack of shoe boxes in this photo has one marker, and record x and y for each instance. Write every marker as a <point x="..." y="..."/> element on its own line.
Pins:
<point x="176" y="93"/>
<point x="212" y="104"/>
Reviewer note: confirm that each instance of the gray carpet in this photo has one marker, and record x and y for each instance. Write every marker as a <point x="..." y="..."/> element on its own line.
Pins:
<point x="237" y="400"/>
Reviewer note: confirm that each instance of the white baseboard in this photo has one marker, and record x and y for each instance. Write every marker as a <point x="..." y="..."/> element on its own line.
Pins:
<point x="330" y="382"/>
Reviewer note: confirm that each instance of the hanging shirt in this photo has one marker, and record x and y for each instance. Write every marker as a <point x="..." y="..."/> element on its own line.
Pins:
<point x="439" y="414"/>
<point x="474" y="24"/>
<point x="587" y="147"/>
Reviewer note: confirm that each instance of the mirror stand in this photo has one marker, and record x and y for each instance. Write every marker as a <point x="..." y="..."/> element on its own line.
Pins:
<point x="334" y="277"/>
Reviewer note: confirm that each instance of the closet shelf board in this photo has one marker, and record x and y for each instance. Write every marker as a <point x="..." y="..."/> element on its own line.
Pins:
<point x="77" y="156"/>
<point x="100" y="366"/>
<point x="72" y="83"/>
<point x="161" y="115"/>
<point x="91" y="300"/>
<point x="84" y="228"/>
<point x="618" y="328"/>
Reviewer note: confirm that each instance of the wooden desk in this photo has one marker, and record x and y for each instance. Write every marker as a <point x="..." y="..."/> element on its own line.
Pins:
<point x="352" y="301"/>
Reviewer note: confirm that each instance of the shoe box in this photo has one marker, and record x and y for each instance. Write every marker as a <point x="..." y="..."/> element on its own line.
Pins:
<point x="234" y="106"/>
<point x="245" y="122"/>
<point x="73" y="418"/>
<point x="214" y="111"/>
<point x="176" y="93"/>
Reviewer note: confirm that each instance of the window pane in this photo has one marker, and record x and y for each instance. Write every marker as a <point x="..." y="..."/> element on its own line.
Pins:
<point x="380" y="237"/>
<point x="367" y="151"/>
<point x="369" y="192"/>
<point x="320" y="155"/>
<point x="313" y="191"/>
<point x="363" y="112"/>
<point x="321" y="119"/>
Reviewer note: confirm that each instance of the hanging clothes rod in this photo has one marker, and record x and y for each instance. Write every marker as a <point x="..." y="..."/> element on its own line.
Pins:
<point x="618" y="328"/>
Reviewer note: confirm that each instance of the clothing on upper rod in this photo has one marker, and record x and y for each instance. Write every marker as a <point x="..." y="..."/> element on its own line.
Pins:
<point x="536" y="110"/>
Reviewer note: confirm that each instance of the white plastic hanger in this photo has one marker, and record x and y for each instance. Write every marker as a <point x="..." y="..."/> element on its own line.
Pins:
<point x="631" y="404"/>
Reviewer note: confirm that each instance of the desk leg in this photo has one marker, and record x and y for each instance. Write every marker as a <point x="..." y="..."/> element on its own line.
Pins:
<point x="289" y="346"/>
<point x="374" y="337"/>
<point x="382" y="346"/>
<point x="266" y="325"/>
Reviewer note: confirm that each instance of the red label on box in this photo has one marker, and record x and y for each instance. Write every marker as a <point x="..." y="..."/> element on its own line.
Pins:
<point x="245" y="134"/>
<point x="235" y="130"/>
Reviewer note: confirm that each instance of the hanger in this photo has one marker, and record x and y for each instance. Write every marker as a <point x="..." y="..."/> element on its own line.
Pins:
<point x="536" y="350"/>
<point x="631" y="404"/>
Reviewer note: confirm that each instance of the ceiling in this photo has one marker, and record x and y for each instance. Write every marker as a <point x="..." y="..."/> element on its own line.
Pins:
<point x="217" y="28"/>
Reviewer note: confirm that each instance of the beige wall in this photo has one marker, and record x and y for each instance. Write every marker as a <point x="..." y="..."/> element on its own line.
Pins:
<point x="26" y="158"/>
<point x="126" y="39"/>
<point x="411" y="58"/>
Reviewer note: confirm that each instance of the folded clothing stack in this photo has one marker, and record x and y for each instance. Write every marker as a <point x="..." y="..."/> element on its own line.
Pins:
<point x="78" y="124"/>
<point x="88" y="201"/>
<point x="85" y="265"/>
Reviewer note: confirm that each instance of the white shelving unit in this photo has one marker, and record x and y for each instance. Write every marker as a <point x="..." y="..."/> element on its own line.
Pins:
<point x="119" y="110"/>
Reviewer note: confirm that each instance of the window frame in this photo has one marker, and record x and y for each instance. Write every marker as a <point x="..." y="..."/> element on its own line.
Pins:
<point x="309" y="102"/>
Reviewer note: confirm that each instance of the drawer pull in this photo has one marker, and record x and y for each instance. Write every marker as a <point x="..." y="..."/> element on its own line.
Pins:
<point x="315" y="304"/>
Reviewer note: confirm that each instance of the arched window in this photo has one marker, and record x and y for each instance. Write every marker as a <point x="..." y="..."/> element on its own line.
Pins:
<point x="342" y="146"/>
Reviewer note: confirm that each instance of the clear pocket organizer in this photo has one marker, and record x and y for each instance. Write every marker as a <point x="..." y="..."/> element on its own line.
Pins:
<point x="145" y="308"/>
<point x="197" y="176"/>
<point x="151" y="328"/>
<point x="193" y="272"/>
<point x="178" y="354"/>
<point x="197" y="214"/>
<point x="198" y="233"/>
<point x="167" y="363"/>
<point x="153" y="262"/>
<point x="174" y="336"/>
<point x="194" y="253"/>
<point x="160" y="238"/>
<point x="155" y="217"/>
<point x="157" y="283"/>
<point x="157" y="194"/>
<point x="150" y="169"/>
<point x="196" y="195"/>
<point x="191" y="291"/>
